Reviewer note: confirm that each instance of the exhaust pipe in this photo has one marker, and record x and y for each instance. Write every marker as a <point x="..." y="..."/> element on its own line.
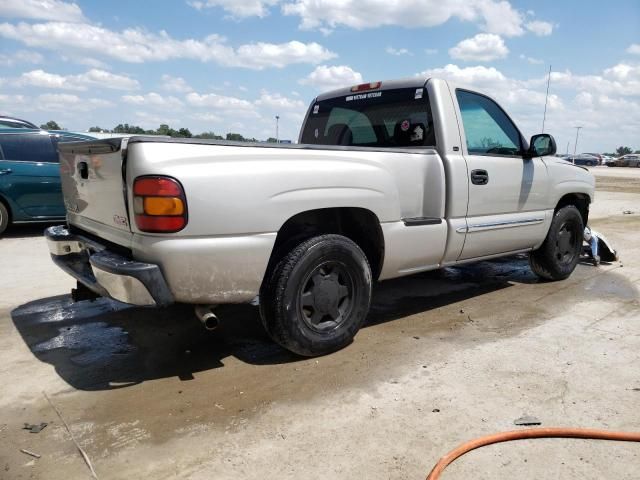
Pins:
<point x="207" y="317"/>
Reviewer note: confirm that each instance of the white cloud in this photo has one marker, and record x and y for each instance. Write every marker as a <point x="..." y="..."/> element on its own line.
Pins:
<point x="50" y="102"/>
<point x="221" y="102"/>
<point x="397" y="51"/>
<point x="634" y="48"/>
<point x="621" y="80"/>
<point x="484" y="47"/>
<point x="329" y="78"/>
<point x="175" y="84"/>
<point x="278" y="102"/>
<point x="137" y="45"/>
<point x="87" y="61"/>
<point x="261" y="55"/>
<point x="540" y="28"/>
<point x="500" y="17"/>
<point x="19" y="57"/>
<point x="493" y="16"/>
<point x="531" y="60"/>
<point x="104" y="79"/>
<point x="40" y="78"/>
<point x="41" y="10"/>
<point x="154" y="100"/>
<point x="207" y="117"/>
<point x="150" y="120"/>
<point x="238" y="9"/>
<point x="91" y="78"/>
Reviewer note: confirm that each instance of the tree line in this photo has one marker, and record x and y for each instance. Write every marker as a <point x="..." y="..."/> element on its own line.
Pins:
<point x="163" y="129"/>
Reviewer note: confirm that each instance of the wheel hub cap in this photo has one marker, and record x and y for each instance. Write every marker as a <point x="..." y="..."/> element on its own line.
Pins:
<point x="326" y="297"/>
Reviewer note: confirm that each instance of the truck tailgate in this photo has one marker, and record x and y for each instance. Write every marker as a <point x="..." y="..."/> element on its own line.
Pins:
<point x="94" y="188"/>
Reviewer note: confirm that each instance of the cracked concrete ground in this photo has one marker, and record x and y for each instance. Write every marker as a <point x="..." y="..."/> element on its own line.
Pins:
<point x="446" y="356"/>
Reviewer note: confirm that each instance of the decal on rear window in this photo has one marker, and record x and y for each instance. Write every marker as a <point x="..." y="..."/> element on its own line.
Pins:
<point x="363" y="96"/>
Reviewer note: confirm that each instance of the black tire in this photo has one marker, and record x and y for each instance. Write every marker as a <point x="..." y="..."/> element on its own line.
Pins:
<point x="559" y="254"/>
<point x="317" y="297"/>
<point x="4" y="218"/>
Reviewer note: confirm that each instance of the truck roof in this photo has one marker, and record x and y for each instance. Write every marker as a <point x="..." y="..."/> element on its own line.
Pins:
<point x="410" y="82"/>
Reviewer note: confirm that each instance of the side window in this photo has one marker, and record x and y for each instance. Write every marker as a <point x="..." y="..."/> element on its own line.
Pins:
<point x="28" y="148"/>
<point x="486" y="126"/>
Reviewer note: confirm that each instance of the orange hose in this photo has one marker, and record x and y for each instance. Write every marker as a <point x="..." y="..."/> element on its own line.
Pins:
<point x="587" y="433"/>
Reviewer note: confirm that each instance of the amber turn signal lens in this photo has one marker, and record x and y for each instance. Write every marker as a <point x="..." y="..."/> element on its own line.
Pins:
<point x="163" y="206"/>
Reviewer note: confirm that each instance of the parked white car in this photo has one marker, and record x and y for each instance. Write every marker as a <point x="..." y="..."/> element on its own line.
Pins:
<point x="389" y="179"/>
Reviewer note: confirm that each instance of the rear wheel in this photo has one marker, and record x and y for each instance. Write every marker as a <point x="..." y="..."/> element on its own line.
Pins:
<point x="317" y="297"/>
<point x="4" y="218"/>
<point x="558" y="255"/>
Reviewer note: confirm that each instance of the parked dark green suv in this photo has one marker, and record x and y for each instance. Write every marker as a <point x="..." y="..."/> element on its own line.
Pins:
<point x="29" y="175"/>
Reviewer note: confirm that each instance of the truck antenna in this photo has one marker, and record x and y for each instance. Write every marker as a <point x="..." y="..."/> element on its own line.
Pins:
<point x="544" y="117"/>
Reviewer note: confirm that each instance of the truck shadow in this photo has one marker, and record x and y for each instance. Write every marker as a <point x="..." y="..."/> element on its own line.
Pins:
<point x="104" y="344"/>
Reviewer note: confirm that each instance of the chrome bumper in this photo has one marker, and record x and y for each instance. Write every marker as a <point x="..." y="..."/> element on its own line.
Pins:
<point x="106" y="273"/>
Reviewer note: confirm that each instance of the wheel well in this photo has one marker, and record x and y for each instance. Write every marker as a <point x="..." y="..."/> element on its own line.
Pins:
<point x="358" y="224"/>
<point x="580" y="201"/>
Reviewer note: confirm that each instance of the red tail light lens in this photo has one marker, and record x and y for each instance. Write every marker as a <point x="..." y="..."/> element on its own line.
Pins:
<point x="159" y="204"/>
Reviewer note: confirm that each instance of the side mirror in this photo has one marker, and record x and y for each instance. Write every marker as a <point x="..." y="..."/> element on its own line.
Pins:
<point x="541" y="145"/>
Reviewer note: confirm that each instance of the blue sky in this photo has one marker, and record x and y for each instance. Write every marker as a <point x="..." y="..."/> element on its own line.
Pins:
<point x="226" y="65"/>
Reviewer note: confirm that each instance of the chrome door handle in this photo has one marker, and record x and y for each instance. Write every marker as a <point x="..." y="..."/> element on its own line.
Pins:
<point x="5" y="171"/>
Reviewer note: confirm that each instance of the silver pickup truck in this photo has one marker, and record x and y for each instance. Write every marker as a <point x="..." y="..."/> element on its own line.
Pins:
<point x="388" y="179"/>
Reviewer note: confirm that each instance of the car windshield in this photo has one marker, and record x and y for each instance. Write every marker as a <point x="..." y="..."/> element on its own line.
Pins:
<point x="398" y="118"/>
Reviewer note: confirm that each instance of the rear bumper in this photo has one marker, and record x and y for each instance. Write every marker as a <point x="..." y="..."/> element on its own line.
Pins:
<point x="107" y="273"/>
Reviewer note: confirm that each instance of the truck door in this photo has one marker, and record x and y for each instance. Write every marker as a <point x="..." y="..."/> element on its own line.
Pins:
<point x="507" y="193"/>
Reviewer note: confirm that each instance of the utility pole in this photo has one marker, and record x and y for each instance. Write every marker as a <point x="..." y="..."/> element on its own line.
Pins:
<point x="544" y="117"/>
<point x="575" y="145"/>
<point x="568" y="147"/>
<point x="277" y="126"/>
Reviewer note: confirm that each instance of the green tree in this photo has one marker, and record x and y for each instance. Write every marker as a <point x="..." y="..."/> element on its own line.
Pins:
<point x="95" y="129"/>
<point x="620" y="151"/>
<point x="164" y="129"/>
<point x="209" y="135"/>
<point x="236" y="137"/>
<point x="126" y="128"/>
<point x="50" y="125"/>
<point x="272" y="140"/>
<point x="184" y="133"/>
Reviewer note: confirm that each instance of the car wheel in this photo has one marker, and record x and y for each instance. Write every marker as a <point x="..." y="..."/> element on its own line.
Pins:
<point x="4" y="218"/>
<point x="317" y="297"/>
<point x="558" y="255"/>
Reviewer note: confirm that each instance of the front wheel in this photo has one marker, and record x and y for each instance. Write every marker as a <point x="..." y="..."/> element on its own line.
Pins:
<point x="558" y="255"/>
<point x="317" y="297"/>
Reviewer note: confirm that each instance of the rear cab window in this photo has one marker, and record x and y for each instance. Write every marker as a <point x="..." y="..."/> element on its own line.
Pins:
<point x="399" y="118"/>
<point x="28" y="148"/>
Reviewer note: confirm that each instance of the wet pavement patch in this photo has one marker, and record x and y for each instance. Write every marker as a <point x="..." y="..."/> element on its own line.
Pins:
<point x="95" y="342"/>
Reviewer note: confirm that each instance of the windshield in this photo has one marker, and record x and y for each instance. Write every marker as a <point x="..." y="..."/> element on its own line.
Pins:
<point x="389" y="118"/>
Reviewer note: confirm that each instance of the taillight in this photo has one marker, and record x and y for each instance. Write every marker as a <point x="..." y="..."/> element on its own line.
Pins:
<point x="159" y="204"/>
